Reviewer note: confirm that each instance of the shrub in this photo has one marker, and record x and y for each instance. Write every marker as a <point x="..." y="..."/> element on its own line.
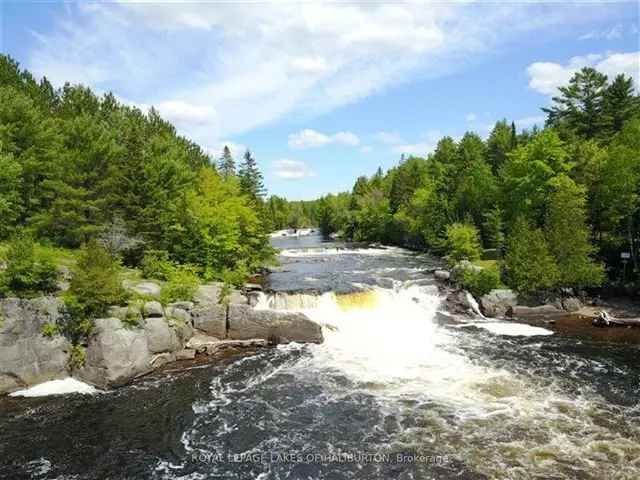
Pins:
<point x="156" y="264"/>
<point x="480" y="282"/>
<point x="528" y="263"/>
<point x="462" y="242"/>
<point x="50" y="330"/>
<point x="27" y="273"/>
<point x="77" y="356"/>
<point x="182" y="285"/>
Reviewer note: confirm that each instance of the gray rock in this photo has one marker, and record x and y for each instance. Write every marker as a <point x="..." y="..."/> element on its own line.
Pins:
<point x="178" y="314"/>
<point x="442" y="275"/>
<point x="245" y="323"/>
<point x="571" y="304"/>
<point x="223" y="345"/>
<point x="145" y="288"/>
<point x="462" y="302"/>
<point x="211" y="319"/>
<point x="209" y="293"/>
<point x="115" y="354"/>
<point x="160" y="337"/>
<point x="26" y="356"/>
<point x="188" y="306"/>
<point x="153" y="309"/>
<point x="497" y="302"/>
<point x="186" y="354"/>
<point x="199" y="342"/>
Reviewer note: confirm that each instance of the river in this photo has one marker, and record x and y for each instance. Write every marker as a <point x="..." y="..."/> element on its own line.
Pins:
<point x="393" y="393"/>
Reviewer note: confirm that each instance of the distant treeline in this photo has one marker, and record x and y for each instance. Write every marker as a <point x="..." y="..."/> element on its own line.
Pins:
<point x="560" y="205"/>
<point x="75" y="165"/>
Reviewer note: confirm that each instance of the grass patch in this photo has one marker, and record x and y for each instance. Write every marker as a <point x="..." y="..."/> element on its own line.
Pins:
<point x="486" y="263"/>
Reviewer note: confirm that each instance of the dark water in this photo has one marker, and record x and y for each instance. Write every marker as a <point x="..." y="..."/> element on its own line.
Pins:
<point x="390" y="395"/>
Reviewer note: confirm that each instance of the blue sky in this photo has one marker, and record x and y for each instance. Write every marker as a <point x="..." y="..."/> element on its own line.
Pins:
<point x="324" y="92"/>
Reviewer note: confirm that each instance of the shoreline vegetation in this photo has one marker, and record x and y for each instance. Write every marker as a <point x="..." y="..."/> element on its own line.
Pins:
<point x="547" y="212"/>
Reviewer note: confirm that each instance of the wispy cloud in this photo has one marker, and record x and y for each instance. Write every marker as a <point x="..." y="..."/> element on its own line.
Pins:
<point x="614" y="33"/>
<point x="286" y="169"/>
<point x="257" y="63"/>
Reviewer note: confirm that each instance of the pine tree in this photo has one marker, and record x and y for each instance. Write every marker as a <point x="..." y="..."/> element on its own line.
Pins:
<point x="620" y="103"/>
<point x="581" y="104"/>
<point x="251" y="182"/>
<point x="226" y="164"/>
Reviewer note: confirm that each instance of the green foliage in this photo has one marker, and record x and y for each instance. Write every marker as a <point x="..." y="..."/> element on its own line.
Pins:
<point x="50" y="330"/>
<point x="27" y="272"/>
<point x="156" y="264"/>
<point x="462" y="243"/>
<point x="528" y="263"/>
<point x="182" y="284"/>
<point x="480" y="282"/>
<point x="568" y="235"/>
<point x="251" y="182"/>
<point x="74" y="165"/>
<point x="96" y="282"/>
<point x="77" y="356"/>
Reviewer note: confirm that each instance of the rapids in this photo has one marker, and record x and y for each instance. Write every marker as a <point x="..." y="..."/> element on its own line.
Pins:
<point x="392" y="393"/>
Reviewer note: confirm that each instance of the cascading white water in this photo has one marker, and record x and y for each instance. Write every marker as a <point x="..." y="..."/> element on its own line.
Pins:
<point x="388" y="343"/>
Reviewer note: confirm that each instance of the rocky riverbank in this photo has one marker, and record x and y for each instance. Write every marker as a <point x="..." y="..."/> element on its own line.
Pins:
<point x="566" y="314"/>
<point x="138" y="339"/>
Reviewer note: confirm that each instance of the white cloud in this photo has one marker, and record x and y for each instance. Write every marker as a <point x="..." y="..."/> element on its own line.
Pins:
<point x="286" y="169"/>
<point x="346" y="138"/>
<point x="257" y="63"/>
<point x="613" y="33"/>
<point x="181" y="113"/>
<point x="422" y="147"/>
<point x="546" y="77"/>
<point x="390" y="138"/>
<point x="366" y="149"/>
<point x="470" y="117"/>
<point x="309" y="138"/>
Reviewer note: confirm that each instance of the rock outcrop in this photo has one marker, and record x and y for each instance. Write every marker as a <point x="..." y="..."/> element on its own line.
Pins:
<point x="26" y="356"/>
<point x="542" y="311"/>
<point x="278" y="327"/>
<point x="115" y="354"/>
<point x="139" y="338"/>
<point x="497" y="302"/>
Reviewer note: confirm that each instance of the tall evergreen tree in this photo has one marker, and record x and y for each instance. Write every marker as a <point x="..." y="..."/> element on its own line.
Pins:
<point x="251" y="181"/>
<point x="580" y="105"/>
<point x="226" y="164"/>
<point x="620" y="104"/>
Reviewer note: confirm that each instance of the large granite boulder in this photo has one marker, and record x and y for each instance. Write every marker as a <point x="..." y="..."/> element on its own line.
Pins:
<point x="211" y="319"/>
<point x="161" y="337"/>
<point x="115" y="354"/>
<point x="211" y="293"/>
<point x="279" y="327"/>
<point x="542" y="311"/>
<point x="497" y="302"/>
<point x="145" y="288"/>
<point x="26" y="356"/>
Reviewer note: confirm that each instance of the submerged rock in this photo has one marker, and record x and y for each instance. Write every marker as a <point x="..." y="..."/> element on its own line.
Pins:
<point x="278" y="327"/>
<point x="442" y="275"/>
